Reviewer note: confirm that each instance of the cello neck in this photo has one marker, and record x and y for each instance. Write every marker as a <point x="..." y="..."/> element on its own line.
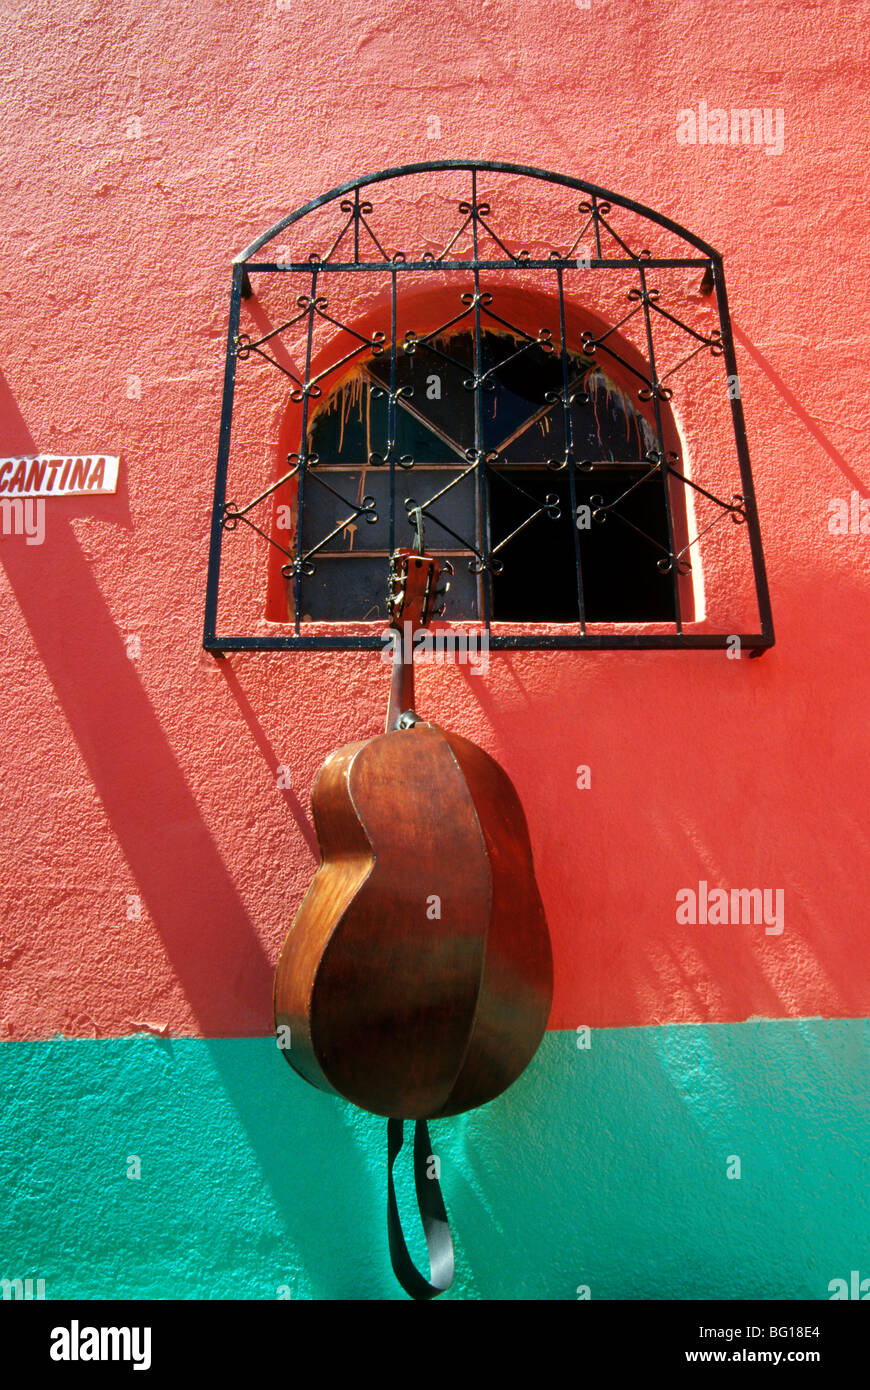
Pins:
<point x="402" y="680"/>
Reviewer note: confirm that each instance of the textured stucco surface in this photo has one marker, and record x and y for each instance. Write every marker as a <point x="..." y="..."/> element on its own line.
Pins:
<point x="151" y="863"/>
<point x="604" y="1168"/>
<point x="156" y="776"/>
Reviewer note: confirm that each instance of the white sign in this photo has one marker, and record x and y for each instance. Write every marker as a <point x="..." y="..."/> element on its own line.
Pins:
<point x="58" y="475"/>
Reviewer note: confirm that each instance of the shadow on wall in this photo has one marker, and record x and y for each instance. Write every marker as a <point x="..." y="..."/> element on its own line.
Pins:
<point x="703" y="770"/>
<point x="213" y="948"/>
<point x="717" y="1162"/>
<point x="797" y="409"/>
<point x="501" y="1201"/>
<point x="707" y="793"/>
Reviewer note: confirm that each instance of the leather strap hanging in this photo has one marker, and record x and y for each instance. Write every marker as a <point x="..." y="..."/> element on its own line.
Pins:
<point x="433" y="1214"/>
<point x="463" y="1006"/>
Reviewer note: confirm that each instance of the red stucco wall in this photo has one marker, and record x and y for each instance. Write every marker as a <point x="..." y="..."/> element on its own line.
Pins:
<point x="143" y="147"/>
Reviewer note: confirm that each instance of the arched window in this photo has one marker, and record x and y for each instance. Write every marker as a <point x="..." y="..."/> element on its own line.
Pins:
<point x="544" y="543"/>
<point x="518" y="403"/>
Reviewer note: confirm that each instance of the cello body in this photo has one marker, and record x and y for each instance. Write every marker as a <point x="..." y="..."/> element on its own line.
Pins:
<point x="416" y="980"/>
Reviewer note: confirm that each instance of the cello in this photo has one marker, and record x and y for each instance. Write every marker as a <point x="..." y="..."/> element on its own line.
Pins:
<point x="416" y="979"/>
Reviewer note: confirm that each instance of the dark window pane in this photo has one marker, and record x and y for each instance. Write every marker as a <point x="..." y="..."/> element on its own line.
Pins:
<point x="538" y="581"/>
<point x="352" y="588"/>
<point x="323" y="511"/>
<point x="621" y="579"/>
<point x="522" y="418"/>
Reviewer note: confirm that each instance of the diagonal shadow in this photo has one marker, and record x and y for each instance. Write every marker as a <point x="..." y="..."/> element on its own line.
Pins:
<point x="277" y="345"/>
<point x="797" y="409"/>
<point x="270" y="756"/>
<point x="211" y="944"/>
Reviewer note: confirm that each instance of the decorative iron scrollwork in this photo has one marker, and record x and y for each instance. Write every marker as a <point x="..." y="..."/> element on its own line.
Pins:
<point x="476" y="248"/>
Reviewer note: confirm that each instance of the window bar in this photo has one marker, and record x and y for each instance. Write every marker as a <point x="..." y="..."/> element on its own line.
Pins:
<point x="761" y="590"/>
<point x="570" y="254"/>
<point x="591" y="345"/>
<point x="465" y="544"/>
<point x="605" y="207"/>
<point x="597" y="203"/>
<point x="303" y="458"/>
<point x="654" y="382"/>
<point x="569" y="449"/>
<point x="392" y="412"/>
<point x="220" y="485"/>
<point x="485" y="539"/>
<point x="596" y="226"/>
<point x="515" y="263"/>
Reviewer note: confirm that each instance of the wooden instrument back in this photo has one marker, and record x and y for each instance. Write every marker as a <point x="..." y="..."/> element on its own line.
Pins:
<point x="416" y="980"/>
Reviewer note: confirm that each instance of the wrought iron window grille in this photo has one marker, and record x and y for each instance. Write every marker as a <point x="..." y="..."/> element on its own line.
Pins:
<point x="633" y="329"/>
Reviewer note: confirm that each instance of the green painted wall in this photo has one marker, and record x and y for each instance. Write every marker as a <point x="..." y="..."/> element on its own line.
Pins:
<point x="604" y="1167"/>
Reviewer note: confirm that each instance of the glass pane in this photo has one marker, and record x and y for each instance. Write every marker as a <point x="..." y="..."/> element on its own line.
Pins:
<point x="353" y="588"/>
<point x="323" y="511"/>
<point x="520" y="418"/>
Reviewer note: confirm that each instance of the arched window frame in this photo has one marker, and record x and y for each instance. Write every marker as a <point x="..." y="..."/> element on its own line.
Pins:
<point x="357" y="249"/>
